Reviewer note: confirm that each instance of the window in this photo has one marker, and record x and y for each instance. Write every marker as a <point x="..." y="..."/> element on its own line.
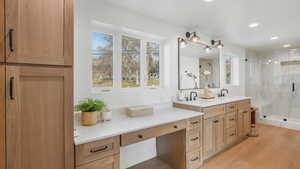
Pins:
<point x="231" y="65"/>
<point x="152" y="63"/>
<point x="102" y="60"/>
<point x="131" y="52"/>
<point x="228" y="70"/>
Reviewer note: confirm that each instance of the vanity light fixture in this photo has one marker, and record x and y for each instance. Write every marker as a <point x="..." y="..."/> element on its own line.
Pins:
<point x="217" y="43"/>
<point x="182" y="43"/>
<point x="192" y="36"/>
<point x="207" y="49"/>
<point x="287" y="45"/>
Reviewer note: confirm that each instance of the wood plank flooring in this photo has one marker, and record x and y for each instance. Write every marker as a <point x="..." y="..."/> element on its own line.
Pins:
<point x="154" y="163"/>
<point x="275" y="148"/>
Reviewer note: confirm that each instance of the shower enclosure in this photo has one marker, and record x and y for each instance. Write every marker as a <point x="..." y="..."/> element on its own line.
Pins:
<point x="273" y="80"/>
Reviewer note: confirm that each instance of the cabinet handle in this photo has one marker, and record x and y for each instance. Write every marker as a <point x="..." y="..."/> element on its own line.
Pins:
<point x="175" y="126"/>
<point x="232" y="134"/>
<point x="231" y="107"/>
<point x="195" y="159"/>
<point x="194" y="139"/>
<point x="216" y="121"/>
<point x="97" y="150"/>
<point x="140" y="136"/>
<point x="231" y="119"/>
<point x="10" y="39"/>
<point x="195" y="122"/>
<point x="11" y="88"/>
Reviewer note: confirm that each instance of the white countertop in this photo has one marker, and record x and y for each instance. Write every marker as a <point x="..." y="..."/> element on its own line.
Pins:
<point x="122" y="124"/>
<point x="213" y="102"/>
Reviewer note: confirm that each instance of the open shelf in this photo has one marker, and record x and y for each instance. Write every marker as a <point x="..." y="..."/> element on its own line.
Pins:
<point x="154" y="163"/>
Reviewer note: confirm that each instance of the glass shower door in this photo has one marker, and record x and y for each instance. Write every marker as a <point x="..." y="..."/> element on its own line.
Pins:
<point x="294" y="106"/>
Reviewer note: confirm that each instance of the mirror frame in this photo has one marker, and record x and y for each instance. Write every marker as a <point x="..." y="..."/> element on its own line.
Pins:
<point x="179" y="86"/>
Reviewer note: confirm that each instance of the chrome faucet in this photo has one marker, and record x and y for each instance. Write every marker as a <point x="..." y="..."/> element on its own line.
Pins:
<point x="191" y="96"/>
<point x="222" y="92"/>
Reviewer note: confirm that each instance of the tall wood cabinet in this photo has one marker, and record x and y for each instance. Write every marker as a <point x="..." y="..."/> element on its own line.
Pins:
<point x="39" y="117"/>
<point x="36" y="84"/>
<point x="39" y="31"/>
<point x="2" y="116"/>
<point x="2" y="31"/>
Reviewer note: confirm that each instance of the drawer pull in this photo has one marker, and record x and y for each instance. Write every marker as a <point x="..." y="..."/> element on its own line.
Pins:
<point x="231" y="107"/>
<point x="232" y="119"/>
<point x="194" y="139"/>
<point x="216" y="121"/>
<point x="100" y="149"/>
<point x="140" y="136"/>
<point x="175" y="126"/>
<point x="195" y="159"/>
<point x="232" y="134"/>
<point x="194" y="122"/>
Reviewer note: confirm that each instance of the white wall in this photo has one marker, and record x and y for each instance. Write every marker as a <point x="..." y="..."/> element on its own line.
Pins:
<point x="96" y="10"/>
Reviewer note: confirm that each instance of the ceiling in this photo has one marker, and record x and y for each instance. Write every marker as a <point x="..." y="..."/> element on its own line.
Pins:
<point x="229" y="19"/>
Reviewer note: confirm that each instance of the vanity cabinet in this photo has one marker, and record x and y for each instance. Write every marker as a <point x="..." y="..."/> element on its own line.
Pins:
<point x="39" y="113"/>
<point x="39" y="32"/>
<point x="244" y="118"/>
<point x="214" y="136"/>
<point x="2" y="116"/>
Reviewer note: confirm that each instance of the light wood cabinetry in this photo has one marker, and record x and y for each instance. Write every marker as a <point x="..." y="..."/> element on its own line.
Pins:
<point x="244" y="121"/>
<point x="2" y="31"/>
<point x="39" y="117"/>
<point x="2" y="116"/>
<point x="110" y="162"/>
<point x="138" y="136"/>
<point x="39" y="32"/>
<point x="214" y="135"/>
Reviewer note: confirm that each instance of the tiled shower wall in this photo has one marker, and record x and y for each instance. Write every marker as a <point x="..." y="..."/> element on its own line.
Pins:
<point x="269" y="82"/>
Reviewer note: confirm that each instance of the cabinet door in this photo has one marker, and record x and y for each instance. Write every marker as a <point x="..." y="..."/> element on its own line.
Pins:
<point x="209" y="137"/>
<point x="219" y="125"/>
<point x="39" y="31"/>
<point x="39" y="118"/>
<point x="2" y="116"/>
<point x="246" y="122"/>
<point x="2" y="33"/>
<point x="240" y="122"/>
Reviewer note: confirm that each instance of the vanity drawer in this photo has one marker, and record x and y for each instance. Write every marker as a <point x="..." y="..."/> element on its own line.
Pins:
<point x="231" y="107"/>
<point x="145" y="134"/>
<point x="194" y="139"/>
<point x="231" y="120"/>
<point x="213" y="111"/>
<point x="194" y="159"/>
<point x="96" y="150"/>
<point x="111" y="162"/>
<point x="245" y="104"/>
<point x="231" y="135"/>
<point x="195" y="122"/>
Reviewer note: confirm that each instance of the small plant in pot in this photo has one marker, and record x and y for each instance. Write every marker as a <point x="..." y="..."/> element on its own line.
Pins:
<point x="89" y="109"/>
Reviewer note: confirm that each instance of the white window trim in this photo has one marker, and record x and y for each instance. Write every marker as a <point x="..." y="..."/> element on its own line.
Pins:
<point x="117" y="58"/>
<point x="109" y="32"/>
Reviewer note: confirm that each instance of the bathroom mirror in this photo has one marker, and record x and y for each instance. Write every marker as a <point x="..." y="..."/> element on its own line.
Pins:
<point x="198" y="67"/>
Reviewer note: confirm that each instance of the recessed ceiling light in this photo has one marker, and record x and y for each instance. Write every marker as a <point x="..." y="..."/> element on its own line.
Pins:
<point x="287" y="45"/>
<point x="208" y="0"/>
<point x="274" y="38"/>
<point x="253" y="25"/>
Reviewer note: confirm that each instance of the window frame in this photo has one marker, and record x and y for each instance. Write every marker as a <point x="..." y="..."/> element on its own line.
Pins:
<point x="117" y="34"/>
<point x="107" y="31"/>
<point x="160" y="64"/>
<point x="235" y="69"/>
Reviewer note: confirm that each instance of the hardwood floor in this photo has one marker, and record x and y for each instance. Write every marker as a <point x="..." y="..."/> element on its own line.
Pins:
<point x="275" y="148"/>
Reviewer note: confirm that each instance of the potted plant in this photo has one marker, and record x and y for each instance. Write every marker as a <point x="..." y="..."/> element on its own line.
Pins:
<point x="89" y="109"/>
